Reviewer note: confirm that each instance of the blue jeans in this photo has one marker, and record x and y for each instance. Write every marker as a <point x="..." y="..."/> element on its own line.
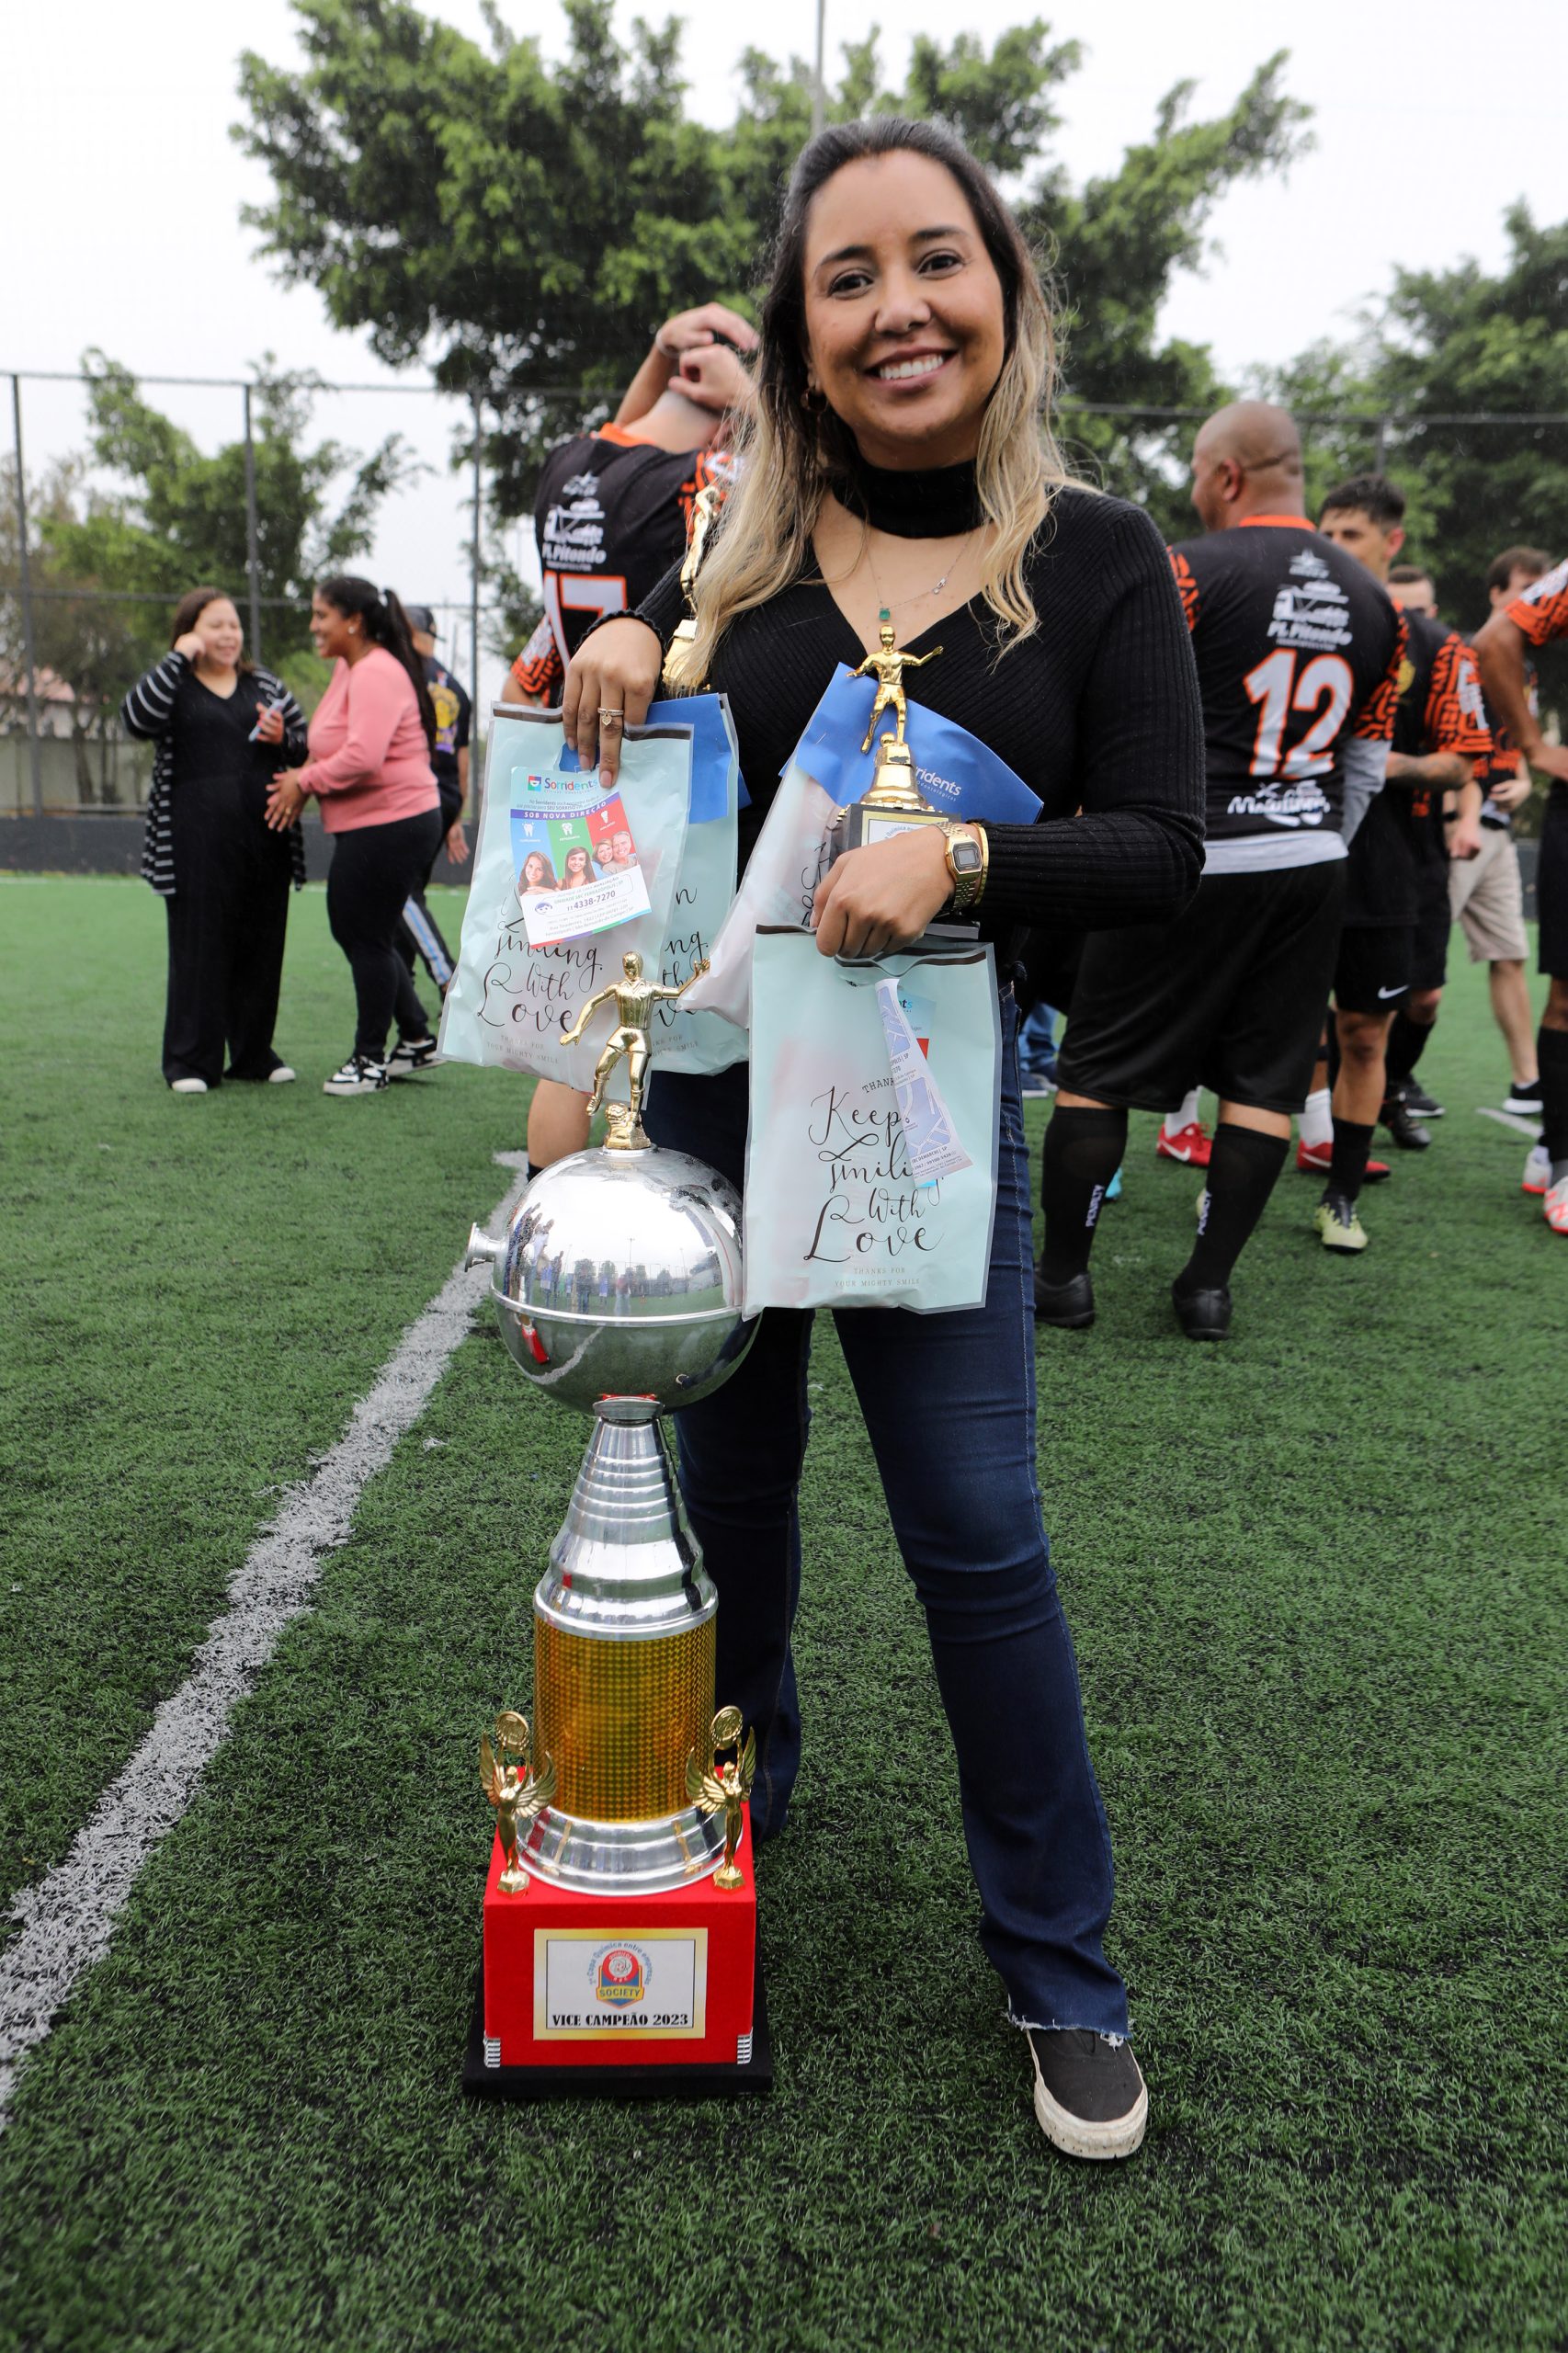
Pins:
<point x="948" y="1403"/>
<point x="1036" y="1042"/>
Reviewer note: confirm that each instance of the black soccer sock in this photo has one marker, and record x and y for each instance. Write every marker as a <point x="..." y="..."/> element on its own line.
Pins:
<point x="1084" y="1149"/>
<point x="1347" y="1164"/>
<point x="1407" y="1043"/>
<point x="1243" y="1166"/>
<point x="1552" y="1046"/>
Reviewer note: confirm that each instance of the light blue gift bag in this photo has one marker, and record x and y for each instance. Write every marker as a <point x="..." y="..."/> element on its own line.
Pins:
<point x="864" y="1075"/>
<point x="705" y="887"/>
<point x="543" y="821"/>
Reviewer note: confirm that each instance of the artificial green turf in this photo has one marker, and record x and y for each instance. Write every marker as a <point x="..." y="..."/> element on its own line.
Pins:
<point x="1316" y="1582"/>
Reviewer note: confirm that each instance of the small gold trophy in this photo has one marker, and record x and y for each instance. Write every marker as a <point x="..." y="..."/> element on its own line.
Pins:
<point x="894" y="802"/>
<point x="634" y="1001"/>
<point x="725" y="1787"/>
<point x="704" y="514"/>
<point x="516" y="1792"/>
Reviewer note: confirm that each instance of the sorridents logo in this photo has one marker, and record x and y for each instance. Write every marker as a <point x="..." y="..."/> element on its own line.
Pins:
<point x="621" y="1976"/>
<point x="930" y="780"/>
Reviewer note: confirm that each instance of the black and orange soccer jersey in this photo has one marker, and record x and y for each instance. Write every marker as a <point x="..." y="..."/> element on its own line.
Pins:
<point x="1440" y="710"/>
<point x="612" y="515"/>
<point x="1541" y="612"/>
<point x="1298" y="651"/>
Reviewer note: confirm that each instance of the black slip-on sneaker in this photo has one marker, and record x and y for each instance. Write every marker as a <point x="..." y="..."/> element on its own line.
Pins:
<point x="1069" y="1305"/>
<point x="1090" y="2093"/>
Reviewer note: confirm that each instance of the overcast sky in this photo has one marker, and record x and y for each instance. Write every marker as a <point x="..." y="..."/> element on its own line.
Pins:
<point x="122" y="189"/>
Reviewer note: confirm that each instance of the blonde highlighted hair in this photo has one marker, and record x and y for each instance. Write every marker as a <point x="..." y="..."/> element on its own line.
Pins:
<point x="792" y="458"/>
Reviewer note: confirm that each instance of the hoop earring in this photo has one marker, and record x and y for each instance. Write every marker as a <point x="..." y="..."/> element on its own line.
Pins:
<point x="814" y="400"/>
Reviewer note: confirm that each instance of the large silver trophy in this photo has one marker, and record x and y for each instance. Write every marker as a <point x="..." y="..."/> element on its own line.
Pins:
<point x="618" y="1285"/>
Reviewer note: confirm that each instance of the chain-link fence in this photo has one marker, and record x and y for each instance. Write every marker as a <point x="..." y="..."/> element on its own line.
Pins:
<point x="73" y="638"/>
<point x="292" y="498"/>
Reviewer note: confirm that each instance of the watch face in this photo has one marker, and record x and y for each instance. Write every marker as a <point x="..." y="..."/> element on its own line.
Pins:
<point x="966" y="857"/>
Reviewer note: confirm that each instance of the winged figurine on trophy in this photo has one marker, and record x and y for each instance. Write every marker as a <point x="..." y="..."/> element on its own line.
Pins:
<point x="515" y="1791"/>
<point x="725" y="1787"/>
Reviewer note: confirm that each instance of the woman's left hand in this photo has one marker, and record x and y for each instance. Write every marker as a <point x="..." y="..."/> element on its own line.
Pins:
<point x="882" y="896"/>
<point x="284" y="802"/>
<point x="269" y="724"/>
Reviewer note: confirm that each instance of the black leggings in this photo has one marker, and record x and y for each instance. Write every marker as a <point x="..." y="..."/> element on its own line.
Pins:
<point x="374" y="867"/>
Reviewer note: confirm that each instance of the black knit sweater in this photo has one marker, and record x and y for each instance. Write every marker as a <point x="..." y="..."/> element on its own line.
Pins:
<point x="1098" y="713"/>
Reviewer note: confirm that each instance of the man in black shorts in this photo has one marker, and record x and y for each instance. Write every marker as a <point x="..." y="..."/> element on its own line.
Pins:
<point x="1449" y="832"/>
<point x="1298" y="656"/>
<point x="612" y="514"/>
<point x="1440" y="731"/>
<point x="1535" y="619"/>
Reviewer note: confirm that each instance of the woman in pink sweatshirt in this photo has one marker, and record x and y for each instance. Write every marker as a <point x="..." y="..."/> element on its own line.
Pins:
<point x="371" y="741"/>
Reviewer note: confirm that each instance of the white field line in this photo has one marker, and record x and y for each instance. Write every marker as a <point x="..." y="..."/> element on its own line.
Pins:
<point x="67" y="1919"/>
<point x="1529" y="1129"/>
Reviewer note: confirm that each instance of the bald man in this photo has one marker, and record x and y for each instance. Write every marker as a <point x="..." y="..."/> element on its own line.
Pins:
<point x="1298" y="653"/>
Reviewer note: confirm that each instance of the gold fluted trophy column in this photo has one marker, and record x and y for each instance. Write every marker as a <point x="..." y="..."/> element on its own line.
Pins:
<point x="617" y="1286"/>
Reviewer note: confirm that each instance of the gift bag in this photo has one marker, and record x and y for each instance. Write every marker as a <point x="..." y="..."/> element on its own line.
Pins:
<point x="956" y="772"/>
<point x="872" y="1151"/>
<point x="705" y="887"/>
<point x="566" y="879"/>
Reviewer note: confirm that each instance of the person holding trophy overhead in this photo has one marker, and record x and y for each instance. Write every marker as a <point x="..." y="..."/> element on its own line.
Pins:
<point x="902" y="476"/>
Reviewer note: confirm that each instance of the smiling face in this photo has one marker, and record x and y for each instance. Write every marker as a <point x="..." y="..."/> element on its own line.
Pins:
<point x="577" y="866"/>
<point x="533" y="870"/>
<point x="904" y="316"/>
<point x="218" y="627"/>
<point x="335" y="635"/>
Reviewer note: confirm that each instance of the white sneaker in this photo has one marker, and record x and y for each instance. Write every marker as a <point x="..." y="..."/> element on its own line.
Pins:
<point x="1557" y="1206"/>
<point x="410" y="1054"/>
<point x="358" y="1075"/>
<point x="1538" y="1170"/>
<point x="281" y="1076"/>
<point x="187" y="1086"/>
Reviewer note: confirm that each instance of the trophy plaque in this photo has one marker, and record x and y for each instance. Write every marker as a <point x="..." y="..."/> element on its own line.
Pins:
<point x="620" y="1908"/>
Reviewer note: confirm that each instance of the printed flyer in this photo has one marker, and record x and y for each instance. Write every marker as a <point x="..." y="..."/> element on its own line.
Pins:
<point x="575" y="854"/>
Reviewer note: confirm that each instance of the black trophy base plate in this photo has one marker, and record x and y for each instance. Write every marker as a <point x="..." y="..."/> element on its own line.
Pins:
<point x="707" y="2080"/>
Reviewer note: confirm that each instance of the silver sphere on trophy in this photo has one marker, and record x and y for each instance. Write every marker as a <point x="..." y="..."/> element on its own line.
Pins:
<point x="618" y="1287"/>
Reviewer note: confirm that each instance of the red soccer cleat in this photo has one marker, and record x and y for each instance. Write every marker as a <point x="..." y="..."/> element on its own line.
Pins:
<point x="1315" y="1160"/>
<point x="1190" y="1145"/>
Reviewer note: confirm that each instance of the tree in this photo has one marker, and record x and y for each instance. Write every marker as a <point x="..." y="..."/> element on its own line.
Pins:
<point x="457" y="204"/>
<point x="92" y="642"/>
<point x="121" y="531"/>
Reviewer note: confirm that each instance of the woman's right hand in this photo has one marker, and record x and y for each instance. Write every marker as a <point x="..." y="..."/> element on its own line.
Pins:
<point x="609" y="683"/>
<point x="190" y="646"/>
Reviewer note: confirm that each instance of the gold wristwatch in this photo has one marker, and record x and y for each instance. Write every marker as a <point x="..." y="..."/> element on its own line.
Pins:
<point x="968" y="861"/>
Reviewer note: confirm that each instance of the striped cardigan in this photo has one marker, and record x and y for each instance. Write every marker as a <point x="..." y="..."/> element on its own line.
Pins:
<point x="146" y="711"/>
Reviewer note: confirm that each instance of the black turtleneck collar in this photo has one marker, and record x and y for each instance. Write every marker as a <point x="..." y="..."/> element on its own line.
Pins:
<point x="932" y="502"/>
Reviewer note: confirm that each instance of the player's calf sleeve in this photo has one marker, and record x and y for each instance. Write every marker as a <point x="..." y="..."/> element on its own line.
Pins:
<point x="1347" y="1164"/>
<point x="1184" y="1116"/>
<point x="1407" y="1042"/>
<point x="1552" y="1047"/>
<point x="1243" y="1168"/>
<point x="1084" y="1149"/>
<point x="1317" y="1118"/>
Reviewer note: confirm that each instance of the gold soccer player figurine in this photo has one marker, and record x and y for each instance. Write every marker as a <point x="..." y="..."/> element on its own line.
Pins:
<point x="514" y="1790"/>
<point x="726" y="1786"/>
<point x="634" y="1001"/>
<point x="888" y="666"/>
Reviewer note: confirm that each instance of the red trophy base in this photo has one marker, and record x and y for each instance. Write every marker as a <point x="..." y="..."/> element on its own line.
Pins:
<point x="631" y="1995"/>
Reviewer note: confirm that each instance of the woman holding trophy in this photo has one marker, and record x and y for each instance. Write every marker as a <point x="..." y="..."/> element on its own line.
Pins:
<point x="900" y="476"/>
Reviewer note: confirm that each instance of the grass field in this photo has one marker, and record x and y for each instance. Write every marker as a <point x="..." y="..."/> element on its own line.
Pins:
<point x="1317" y="1583"/>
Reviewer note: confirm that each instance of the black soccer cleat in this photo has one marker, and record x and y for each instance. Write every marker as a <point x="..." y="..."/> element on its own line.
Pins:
<point x="1069" y="1305"/>
<point x="1417" y="1099"/>
<point x="1406" y="1131"/>
<point x="1204" y="1311"/>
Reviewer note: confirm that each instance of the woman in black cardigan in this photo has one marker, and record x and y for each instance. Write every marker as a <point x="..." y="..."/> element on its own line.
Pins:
<point x="898" y="470"/>
<point x="220" y="725"/>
